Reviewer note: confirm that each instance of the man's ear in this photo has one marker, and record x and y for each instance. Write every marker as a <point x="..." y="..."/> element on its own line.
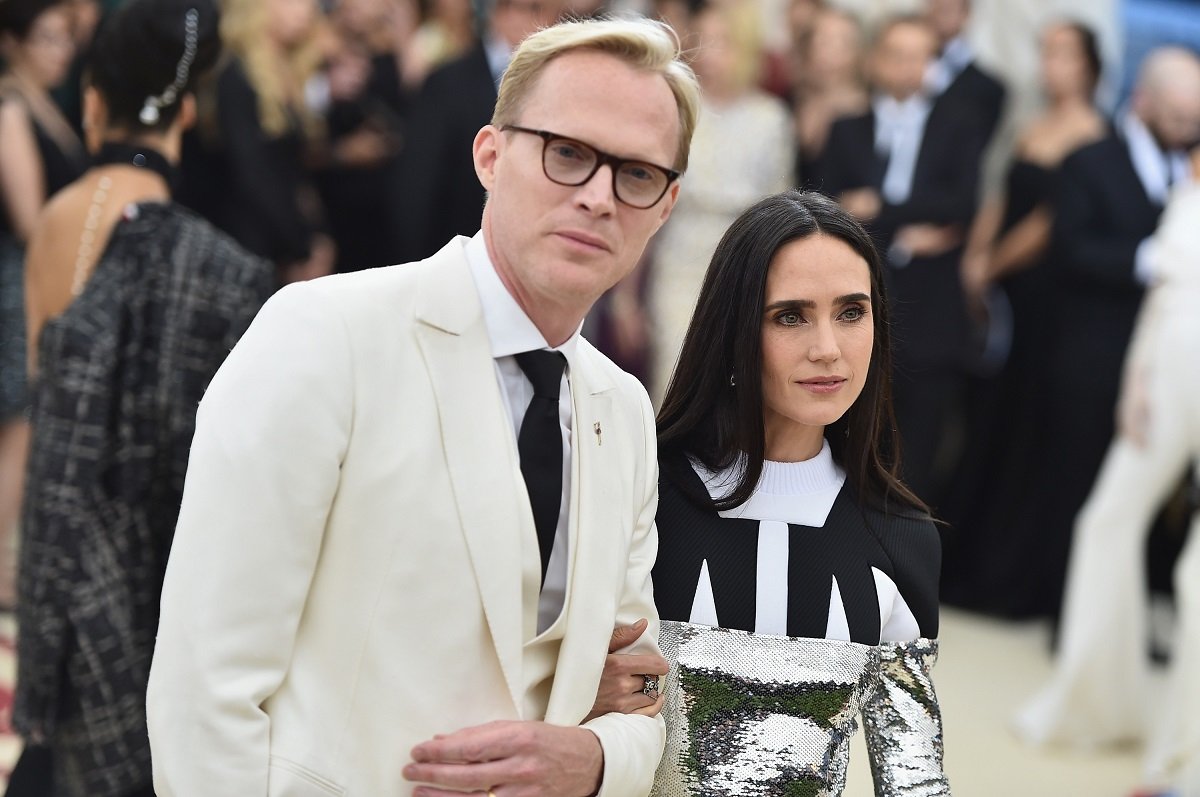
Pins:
<point x="486" y="152"/>
<point x="668" y="202"/>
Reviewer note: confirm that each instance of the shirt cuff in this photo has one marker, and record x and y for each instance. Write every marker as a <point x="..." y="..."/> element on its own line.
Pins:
<point x="1145" y="262"/>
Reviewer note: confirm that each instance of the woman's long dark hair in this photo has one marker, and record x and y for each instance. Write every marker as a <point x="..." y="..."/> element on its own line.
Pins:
<point x="719" y="423"/>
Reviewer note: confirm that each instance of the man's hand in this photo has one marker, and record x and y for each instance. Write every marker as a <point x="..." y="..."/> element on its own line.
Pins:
<point x="929" y="240"/>
<point x="622" y="682"/>
<point x="509" y="759"/>
<point x="975" y="271"/>
<point x="862" y="203"/>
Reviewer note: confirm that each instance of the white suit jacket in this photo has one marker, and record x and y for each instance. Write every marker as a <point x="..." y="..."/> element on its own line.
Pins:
<point x="345" y="580"/>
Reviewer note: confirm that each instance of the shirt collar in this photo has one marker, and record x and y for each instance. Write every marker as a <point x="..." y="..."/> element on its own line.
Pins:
<point x="510" y="331"/>
<point x="943" y="70"/>
<point x="910" y="110"/>
<point x="1155" y="169"/>
<point x="499" y="53"/>
<point x="957" y="54"/>
<point x="894" y="118"/>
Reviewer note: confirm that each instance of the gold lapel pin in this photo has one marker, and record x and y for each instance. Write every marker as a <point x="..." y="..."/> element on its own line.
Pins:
<point x="596" y="429"/>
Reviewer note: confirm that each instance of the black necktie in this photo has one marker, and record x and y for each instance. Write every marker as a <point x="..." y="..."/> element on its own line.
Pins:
<point x="540" y="445"/>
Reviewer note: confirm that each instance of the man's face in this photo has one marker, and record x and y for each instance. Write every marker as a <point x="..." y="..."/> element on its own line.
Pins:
<point x="515" y="20"/>
<point x="563" y="246"/>
<point x="901" y="59"/>
<point x="947" y="17"/>
<point x="1174" y="115"/>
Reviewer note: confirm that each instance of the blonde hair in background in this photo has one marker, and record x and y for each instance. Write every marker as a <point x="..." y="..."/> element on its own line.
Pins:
<point x="744" y="22"/>
<point x="244" y="36"/>
<point x="644" y="44"/>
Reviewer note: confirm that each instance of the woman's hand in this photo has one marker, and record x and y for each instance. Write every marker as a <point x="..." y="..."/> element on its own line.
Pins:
<point x="622" y="682"/>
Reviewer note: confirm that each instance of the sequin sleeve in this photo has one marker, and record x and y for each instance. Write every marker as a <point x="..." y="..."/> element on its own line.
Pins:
<point x="903" y="724"/>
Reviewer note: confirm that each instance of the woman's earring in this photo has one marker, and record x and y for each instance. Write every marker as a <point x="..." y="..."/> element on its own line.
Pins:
<point x="732" y="381"/>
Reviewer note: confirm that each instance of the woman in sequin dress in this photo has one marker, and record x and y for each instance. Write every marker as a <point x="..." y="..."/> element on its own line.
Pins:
<point x="797" y="576"/>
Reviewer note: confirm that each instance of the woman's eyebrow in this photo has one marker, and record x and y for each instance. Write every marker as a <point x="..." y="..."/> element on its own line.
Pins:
<point x="808" y="304"/>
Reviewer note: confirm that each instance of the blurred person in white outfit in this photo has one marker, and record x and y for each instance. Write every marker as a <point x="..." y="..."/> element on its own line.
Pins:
<point x="1098" y="693"/>
<point x="742" y="152"/>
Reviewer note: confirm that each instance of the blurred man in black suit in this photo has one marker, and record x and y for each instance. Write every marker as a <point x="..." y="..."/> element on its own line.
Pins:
<point x="1110" y="198"/>
<point x="911" y="174"/>
<point x="436" y="193"/>
<point x="954" y="78"/>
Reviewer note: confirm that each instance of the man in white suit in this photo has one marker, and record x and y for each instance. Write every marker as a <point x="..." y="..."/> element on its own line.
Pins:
<point x="381" y="584"/>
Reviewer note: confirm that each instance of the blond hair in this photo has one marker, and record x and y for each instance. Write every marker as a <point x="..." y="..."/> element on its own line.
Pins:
<point x="244" y="36"/>
<point x="743" y="23"/>
<point x="644" y="44"/>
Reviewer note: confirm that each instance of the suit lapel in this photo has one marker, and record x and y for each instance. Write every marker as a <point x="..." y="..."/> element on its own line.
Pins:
<point x="876" y="164"/>
<point x="1125" y="172"/>
<point x="594" y="529"/>
<point x="478" y="441"/>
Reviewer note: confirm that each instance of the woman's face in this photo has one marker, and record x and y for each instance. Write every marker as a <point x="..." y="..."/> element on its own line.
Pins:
<point x="716" y="60"/>
<point x="817" y="337"/>
<point x="1064" y="66"/>
<point x="290" y="21"/>
<point x="836" y="48"/>
<point x="46" y="53"/>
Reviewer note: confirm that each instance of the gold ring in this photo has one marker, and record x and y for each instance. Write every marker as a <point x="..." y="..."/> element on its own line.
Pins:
<point x="491" y="793"/>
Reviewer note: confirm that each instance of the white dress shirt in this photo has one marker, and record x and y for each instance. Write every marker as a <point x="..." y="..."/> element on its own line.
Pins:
<point x="1157" y="171"/>
<point x="956" y="56"/>
<point x="800" y="493"/>
<point x="499" y="53"/>
<point x="511" y="332"/>
<point x="899" y="129"/>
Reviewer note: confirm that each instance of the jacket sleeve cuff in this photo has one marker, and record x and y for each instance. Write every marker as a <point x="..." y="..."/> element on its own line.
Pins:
<point x="633" y="746"/>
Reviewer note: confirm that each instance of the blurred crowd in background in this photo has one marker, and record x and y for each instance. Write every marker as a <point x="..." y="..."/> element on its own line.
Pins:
<point x="336" y="136"/>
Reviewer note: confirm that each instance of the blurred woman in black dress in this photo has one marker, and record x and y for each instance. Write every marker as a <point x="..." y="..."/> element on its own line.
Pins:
<point x="39" y="154"/>
<point x="250" y="174"/>
<point x="995" y="559"/>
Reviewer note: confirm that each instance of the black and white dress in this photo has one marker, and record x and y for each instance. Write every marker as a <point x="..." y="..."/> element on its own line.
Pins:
<point x="786" y="618"/>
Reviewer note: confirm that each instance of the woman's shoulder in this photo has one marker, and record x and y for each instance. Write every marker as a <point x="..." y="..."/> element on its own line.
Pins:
<point x="232" y="80"/>
<point x="912" y="543"/>
<point x="680" y="484"/>
<point x="765" y="108"/>
<point x="155" y="229"/>
<point x="894" y="520"/>
<point x="1047" y="139"/>
<point x="14" y="110"/>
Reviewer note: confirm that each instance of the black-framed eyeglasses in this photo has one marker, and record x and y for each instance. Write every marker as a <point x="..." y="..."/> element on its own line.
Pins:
<point x="567" y="161"/>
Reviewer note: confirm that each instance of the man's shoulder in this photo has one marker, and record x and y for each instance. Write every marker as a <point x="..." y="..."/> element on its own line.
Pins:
<point x="852" y="135"/>
<point x="470" y="68"/>
<point x="855" y="121"/>
<point x="601" y="367"/>
<point x="980" y="79"/>
<point x="385" y="293"/>
<point x="364" y="285"/>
